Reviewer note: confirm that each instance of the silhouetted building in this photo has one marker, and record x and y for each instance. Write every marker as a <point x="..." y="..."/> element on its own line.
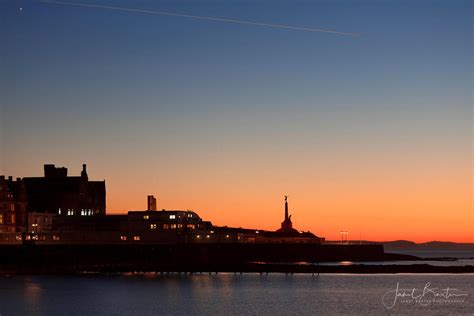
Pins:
<point x="151" y="203"/>
<point x="58" y="193"/>
<point x="7" y="208"/>
<point x="13" y="214"/>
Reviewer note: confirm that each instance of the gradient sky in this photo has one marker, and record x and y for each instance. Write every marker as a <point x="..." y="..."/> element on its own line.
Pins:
<point x="369" y="134"/>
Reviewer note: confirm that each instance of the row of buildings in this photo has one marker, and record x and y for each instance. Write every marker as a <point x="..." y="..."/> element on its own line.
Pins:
<point x="62" y="209"/>
<point x="24" y="201"/>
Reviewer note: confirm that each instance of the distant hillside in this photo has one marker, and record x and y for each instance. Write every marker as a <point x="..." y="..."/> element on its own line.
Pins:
<point x="432" y="245"/>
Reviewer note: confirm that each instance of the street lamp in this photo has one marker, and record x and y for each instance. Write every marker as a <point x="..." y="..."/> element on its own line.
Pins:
<point x="343" y="234"/>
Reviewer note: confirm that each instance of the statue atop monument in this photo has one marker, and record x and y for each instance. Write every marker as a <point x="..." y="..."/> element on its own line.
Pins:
<point x="287" y="225"/>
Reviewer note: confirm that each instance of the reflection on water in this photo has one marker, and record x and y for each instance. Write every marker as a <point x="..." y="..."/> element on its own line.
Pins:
<point x="225" y="293"/>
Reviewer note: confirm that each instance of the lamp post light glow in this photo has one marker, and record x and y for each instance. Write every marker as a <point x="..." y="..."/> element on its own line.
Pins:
<point x="344" y="234"/>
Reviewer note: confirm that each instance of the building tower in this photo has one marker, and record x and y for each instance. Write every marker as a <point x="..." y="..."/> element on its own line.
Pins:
<point x="151" y="203"/>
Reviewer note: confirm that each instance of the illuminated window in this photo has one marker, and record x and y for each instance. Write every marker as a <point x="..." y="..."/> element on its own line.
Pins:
<point x="190" y="215"/>
<point x="136" y="237"/>
<point x="13" y="219"/>
<point x="146" y="217"/>
<point x="207" y="236"/>
<point x="226" y="236"/>
<point x="28" y="237"/>
<point x="180" y="225"/>
<point x="190" y="226"/>
<point x="152" y="226"/>
<point x="18" y="237"/>
<point x="1" y="219"/>
<point x="55" y="237"/>
<point x="123" y="238"/>
<point x="59" y="211"/>
<point x="172" y="216"/>
<point x="198" y="236"/>
<point x="173" y="226"/>
<point x="166" y="226"/>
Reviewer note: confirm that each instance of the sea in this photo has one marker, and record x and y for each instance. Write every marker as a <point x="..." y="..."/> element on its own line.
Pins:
<point x="237" y="294"/>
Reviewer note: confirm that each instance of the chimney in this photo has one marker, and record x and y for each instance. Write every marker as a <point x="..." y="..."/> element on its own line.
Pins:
<point x="151" y="203"/>
<point x="84" y="171"/>
<point x="10" y="178"/>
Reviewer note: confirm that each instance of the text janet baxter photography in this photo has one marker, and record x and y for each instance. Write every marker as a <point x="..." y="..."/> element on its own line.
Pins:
<point x="426" y="296"/>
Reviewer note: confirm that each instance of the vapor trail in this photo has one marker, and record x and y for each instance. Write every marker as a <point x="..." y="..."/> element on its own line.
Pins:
<point x="279" y="26"/>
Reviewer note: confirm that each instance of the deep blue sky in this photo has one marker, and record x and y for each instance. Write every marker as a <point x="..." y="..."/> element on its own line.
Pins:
<point x="154" y="92"/>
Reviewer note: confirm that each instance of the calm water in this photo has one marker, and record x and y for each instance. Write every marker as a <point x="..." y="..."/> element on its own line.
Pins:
<point x="457" y="263"/>
<point x="224" y="294"/>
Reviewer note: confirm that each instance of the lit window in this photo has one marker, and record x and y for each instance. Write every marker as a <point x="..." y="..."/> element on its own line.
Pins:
<point x="146" y="217"/>
<point x="59" y="211"/>
<point x="173" y="226"/>
<point x="18" y="237"/>
<point x="180" y="225"/>
<point x="190" y="215"/>
<point x="190" y="226"/>
<point x="198" y="236"/>
<point x="152" y="226"/>
<point x="55" y="237"/>
<point x="226" y="236"/>
<point x="172" y="216"/>
<point x="1" y="219"/>
<point x="166" y="226"/>
<point x="123" y="238"/>
<point x="136" y="237"/>
<point x="207" y="236"/>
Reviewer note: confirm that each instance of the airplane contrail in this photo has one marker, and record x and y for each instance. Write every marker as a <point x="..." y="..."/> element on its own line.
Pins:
<point x="279" y="26"/>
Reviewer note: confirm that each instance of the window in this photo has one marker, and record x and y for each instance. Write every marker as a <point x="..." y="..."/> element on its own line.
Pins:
<point x="173" y="226"/>
<point x="123" y="238"/>
<point x="56" y="237"/>
<point x="152" y="226"/>
<point x="180" y="225"/>
<point x="190" y="215"/>
<point x="172" y="216"/>
<point x="166" y="226"/>
<point x="136" y="238"/>
<point x="59" y="211"/>
<point x="1" y="219"/>
<point x="190" y="226"/>
<point x="18" y="237"/>
<point x="146" y="217"/>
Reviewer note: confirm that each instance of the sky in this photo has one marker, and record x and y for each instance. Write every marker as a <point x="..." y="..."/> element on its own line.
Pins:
<point x="370" y="134"/>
